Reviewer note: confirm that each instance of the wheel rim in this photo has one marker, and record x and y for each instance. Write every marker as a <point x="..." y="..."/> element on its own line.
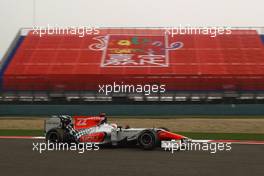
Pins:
<point x="146" y="139"/>
<point x="53" y="137"/>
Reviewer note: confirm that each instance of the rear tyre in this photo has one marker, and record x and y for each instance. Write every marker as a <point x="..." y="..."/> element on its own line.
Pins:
<point x="54" y="136"/>
<point x="148" y="140"/>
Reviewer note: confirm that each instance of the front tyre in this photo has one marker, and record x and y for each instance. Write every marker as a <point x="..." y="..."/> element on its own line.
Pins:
<point x="148" y="140"/>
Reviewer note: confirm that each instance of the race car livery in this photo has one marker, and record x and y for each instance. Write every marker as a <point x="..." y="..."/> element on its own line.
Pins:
<point x="95" y="129"/>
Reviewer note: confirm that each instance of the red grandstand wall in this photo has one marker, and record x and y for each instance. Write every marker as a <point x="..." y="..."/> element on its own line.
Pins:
<point x="137" y="56"/>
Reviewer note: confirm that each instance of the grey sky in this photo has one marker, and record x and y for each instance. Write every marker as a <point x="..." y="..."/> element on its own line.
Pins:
<point x="15" y="14"/>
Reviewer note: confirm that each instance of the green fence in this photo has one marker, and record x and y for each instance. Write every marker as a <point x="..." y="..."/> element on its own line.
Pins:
<point x="119" y="110"/>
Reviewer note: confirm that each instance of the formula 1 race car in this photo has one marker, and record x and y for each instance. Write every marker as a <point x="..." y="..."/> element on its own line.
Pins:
<point x="95" y="129"/>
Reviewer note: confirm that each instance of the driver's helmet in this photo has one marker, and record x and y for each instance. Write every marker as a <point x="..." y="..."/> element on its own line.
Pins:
<point x="66" y="119"/>
<point x="114" y="125"/>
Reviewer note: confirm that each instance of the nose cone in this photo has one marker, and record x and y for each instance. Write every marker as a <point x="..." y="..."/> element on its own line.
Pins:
<point x="166" y="135"/>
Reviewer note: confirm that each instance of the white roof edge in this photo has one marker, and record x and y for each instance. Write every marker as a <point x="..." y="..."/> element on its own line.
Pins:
<point x="260" y="30"/>
<point x="25" y="31"/>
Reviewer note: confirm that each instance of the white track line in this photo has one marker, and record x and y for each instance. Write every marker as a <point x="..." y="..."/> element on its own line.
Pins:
<point x="22" y="137"/>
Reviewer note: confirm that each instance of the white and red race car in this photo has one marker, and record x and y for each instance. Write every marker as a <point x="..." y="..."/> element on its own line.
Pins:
<point x="95" y="129"/>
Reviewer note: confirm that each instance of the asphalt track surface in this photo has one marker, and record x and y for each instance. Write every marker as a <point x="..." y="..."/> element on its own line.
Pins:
<point x="17" y="158"/>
